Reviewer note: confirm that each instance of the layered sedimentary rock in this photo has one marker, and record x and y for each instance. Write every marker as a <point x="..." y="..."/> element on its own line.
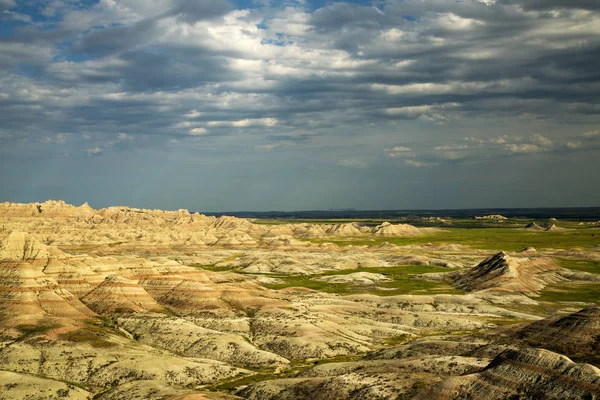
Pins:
<point x="127" y="226"/>
<point x="502" y="272"/>
<point x="131" y="303"/>
<point x="527" y="373"/>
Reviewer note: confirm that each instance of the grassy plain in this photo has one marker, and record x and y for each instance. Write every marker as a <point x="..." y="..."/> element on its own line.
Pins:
<point x="507" y="239"/>
<point x="401" y="281"/>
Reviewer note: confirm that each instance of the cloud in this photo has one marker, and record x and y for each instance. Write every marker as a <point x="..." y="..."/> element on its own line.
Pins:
<point x="451" y="147"/>
<point x="198" y="131"/>
<point x="522" y="148"/>
<point x="59" y="138"/>
<point x="123" y="136"/>
<point x="541" y="141"/>
<point x="94" y="151"/>
<point x="408" y="112"/>
<point x="399" y="151"/>
<point x="591" y="134"/>
<point x="193" y="114"/>
<point x="499" y="139"/>
<point x="245" y="123"/>
<point x="7" y="4"/>
<point x="419" y="164"/>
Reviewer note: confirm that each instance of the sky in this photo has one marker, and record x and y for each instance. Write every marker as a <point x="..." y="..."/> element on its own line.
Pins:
<point x="299" y="105"/>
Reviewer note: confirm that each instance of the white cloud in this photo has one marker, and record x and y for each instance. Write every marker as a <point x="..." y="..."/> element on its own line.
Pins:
<point x="197" y="131"/>
<point x="244" y="123"/>
<point x="193" y="114"/>
<point x="94" y="151"/>
<point x="474" y="140"/>
<point x="499" y="139"/>
<point x="408" y="112"/>
<point x="523" y="148"/>
<point x="419" y="164"/>
<point x="59" y="138"/>
<point x="123" y="136"/>
<point x="541" y="141"/>
<point x="451" y="147"/>
<point x="399" y="151"/>
<point x="592" y="133"/>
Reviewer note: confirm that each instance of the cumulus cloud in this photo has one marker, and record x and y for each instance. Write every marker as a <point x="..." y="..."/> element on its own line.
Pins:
<point x="244" y="123"/>
<point x="399" y="151"/>
<point x="94" y="151"/>
<point x="59" y="138"/>
<point x="541" y="141"/>
<point x="524" y="148"/>
<point x="198" y="131"/>
<point x="419" y="164"/>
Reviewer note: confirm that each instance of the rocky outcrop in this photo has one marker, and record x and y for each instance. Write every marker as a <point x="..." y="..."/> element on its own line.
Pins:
<point x="504" y="273"/>
<point x="528" y="373"/>
<point x="492" y="217"/>
<point x="576" y="334"/>
<point x="351" y="229"/>
<point x="391" y="230"/>
<point x="534" y="227"/>
<point x="21" y="246"/>
<point x="117" y="294"/>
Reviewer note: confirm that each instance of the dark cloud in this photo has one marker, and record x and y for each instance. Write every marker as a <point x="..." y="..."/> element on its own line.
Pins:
<point x="554" y="4"/>
<point x="192" y="11"/>
<point x="106" y="41"/>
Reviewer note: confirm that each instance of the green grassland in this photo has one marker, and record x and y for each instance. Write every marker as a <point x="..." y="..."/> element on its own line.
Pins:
<point x="572" y="292"/>
<point x="402" y="281"/>
<point x="591" y="266"/>
<point x="507" y="239"/>
<point x="295" y="369"/>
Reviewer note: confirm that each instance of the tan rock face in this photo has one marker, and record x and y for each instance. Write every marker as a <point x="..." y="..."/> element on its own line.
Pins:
<point x="142" y="227"/>
<point x="502" y="272"/>
<point x="577" y="333"/>
<point x="389" y="230"/>
<point x="529" y="373"/>
<point x="117" y="294"/>
<point x="21" y="246"/>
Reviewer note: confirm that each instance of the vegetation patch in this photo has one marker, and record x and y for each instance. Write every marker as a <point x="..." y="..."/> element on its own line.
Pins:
<point x="91" y="337"/>
<point x="591" y="266"/>
<point x="35" y="329"/>
<point x="401" y="281"/>
<point x="572" y="292"/>
<point x="507" y="239"/>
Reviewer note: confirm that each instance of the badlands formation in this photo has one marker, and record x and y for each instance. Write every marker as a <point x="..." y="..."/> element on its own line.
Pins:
<point x="124" y="303"/>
